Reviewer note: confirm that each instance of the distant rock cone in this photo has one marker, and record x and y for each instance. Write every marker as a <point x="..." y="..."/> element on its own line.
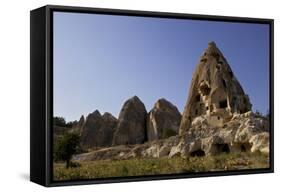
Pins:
<point x="214" y="91"/>
<point x="131" y="127"/>
<point x="163" y="120"/>
<point x="97" y="130"/>
<point x="81" y="121"/>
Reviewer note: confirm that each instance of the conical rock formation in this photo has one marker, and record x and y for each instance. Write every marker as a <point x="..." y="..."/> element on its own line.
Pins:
<point x="131" y="127"/>
<point x="163" y="120"/>
<point x="214" y="91"/>
<point x="217" y="119"/>
<point x="97" y="130"/>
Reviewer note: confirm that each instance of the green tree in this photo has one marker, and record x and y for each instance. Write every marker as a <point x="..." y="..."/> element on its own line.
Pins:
<point x="65" y="147"/>
<point x="71" y="124"/>
<point x="59" y="121"/>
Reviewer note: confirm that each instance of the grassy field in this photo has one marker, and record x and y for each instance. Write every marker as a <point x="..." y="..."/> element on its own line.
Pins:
<point x="137" y="167"/>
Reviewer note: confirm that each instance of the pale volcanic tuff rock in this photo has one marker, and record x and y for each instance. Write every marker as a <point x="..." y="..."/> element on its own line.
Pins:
<point x="131" y="127"/>
<point x="246" y="132"/>
<point x="214" y="91"/>
<point x="163" y="120"/>
<point x="217" y="118"/>
<point x="97" y="130"/>
<point x="78" y="127"/>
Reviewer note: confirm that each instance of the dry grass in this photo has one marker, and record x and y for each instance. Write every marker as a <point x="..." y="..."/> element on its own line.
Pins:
<point x="138" y="167"/>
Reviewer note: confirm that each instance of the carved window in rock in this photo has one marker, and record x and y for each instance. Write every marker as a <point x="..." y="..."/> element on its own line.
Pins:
<point x="223" y="104"/>
<point x="216" y="55"/>
<point x="197" y="153"/>
<point x="230" y="73"/>
<point x="243" y="148"/>
<point x="223" y="83"/>
<point x="211" y="108"/>
<point x="222" y="148"/>
<point x="197" y="98"/>
<point x="245" y="100"/>
<point x="218" y="67"/>
<point x="204" y="60"/>
<point x="205" y="89"/>
<point x="202" y="107"/>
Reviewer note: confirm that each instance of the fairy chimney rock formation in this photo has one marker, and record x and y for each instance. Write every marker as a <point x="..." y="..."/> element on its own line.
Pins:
<point x="131" y="127"/>
<point x="163" y="120"/>
<point x="81" y="121"/>
<point x="215" y="92"/>
<point x="97" y="130"/>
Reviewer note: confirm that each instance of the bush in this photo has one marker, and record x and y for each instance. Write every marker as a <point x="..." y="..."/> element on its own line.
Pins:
<point x="59" y="121"/>
<point x="65" y="147"/>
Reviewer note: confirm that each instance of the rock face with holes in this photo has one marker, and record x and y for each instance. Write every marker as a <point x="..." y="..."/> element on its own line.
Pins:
<point x="97" y="130"/>
<point x="163" y="120"/>
<point x="131" y="127"/>
<point x="246" y="132"/>
<point x="214" y="91"/>
<point x="217" y="119"/>
<point x="240" y="134"/>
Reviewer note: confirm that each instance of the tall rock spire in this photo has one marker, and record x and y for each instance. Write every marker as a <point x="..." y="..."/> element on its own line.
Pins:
<point x="214" y="91"/>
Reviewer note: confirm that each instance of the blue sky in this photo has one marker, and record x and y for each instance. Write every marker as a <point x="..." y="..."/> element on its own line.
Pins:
<point x="101" y="60"/>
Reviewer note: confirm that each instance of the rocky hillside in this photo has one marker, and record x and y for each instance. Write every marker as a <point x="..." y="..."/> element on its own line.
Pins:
<point x="246" y="132"/>
<point x="217" y="118"/>
<point x="97" y="131"/>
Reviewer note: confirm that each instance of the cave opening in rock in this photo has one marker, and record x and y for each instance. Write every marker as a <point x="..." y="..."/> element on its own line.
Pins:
<point x="224" y="83"/>
<point x="222" y="148"/>
<point x="223" y="104"/>
<point x="231" y="74"/>
<point x="243" y="148"/>
<point x="203" y="60"/>
<point x="218" y="66"/>
<point x="197" y="153"/>
<point x="197" y="98"/>
<point x="205" y="89"/>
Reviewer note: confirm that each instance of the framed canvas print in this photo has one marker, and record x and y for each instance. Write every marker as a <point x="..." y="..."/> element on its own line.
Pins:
<point x="120" y="95"/>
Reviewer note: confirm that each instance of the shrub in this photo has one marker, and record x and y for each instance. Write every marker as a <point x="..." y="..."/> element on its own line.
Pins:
<point x="59" y="121"/>
<point x="65" y="147"/>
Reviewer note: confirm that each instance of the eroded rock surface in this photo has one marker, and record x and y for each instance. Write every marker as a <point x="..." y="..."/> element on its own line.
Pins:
<point x="97" y="130"/>
<point x="214" y="91"/>
<point x="131" y="127"/>
<point x="217" y="119"/>
<point x="163" y="120"/>
<point x="243" y="133"/>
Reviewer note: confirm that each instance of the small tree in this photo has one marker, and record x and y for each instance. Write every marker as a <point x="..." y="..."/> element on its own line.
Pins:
<point x="65" y="147"/>
<point x="59" y="121"/>
<point x="71" y="124"/>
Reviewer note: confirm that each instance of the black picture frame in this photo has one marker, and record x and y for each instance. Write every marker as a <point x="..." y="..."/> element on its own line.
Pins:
<point x="41" y="93"/>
